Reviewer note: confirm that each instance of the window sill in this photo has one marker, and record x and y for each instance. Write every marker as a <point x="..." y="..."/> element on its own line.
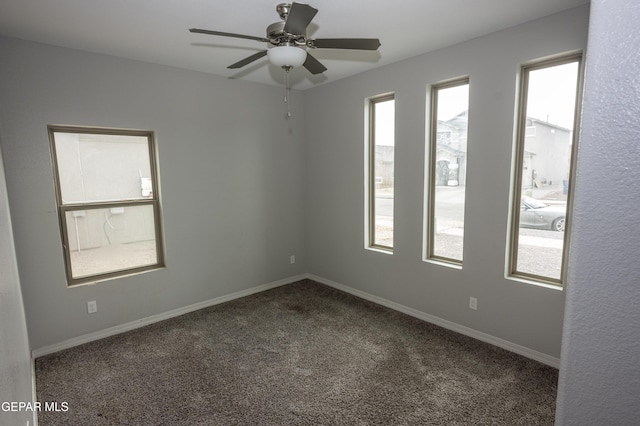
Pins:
<point x="117" y="277"/>
<point x="542" y="284"/>
<point x="441" y="262"/>
<point x="380" y="250"/>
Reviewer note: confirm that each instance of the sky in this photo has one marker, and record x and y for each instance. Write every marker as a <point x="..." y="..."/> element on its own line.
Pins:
<point x="452" y="101"/>
<point x="385" y="122"/>
<point x="552" y="94"/>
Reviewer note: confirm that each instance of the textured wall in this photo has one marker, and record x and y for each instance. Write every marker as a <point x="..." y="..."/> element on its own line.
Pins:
<point x="600" y="366"/>
<point x="15" y="358"/>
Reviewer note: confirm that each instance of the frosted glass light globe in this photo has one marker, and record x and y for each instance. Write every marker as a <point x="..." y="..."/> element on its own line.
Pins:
<point x="287" y="56"/>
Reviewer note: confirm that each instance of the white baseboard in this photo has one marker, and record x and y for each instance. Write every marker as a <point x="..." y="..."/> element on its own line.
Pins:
<point x="501" y="343"/>
<point x="101" y="334"/>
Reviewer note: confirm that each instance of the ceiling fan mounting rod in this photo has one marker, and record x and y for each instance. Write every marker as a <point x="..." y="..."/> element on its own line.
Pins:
<point x="283" y="10"/>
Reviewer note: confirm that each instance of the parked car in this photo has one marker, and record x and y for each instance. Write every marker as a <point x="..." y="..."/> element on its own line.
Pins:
<point x="536" y="214"/>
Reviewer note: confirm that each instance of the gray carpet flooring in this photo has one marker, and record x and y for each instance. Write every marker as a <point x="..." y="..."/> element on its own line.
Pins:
<point x="300" y="354"/>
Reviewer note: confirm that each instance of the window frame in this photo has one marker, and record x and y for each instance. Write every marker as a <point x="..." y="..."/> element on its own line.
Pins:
<point x="64" y="208"/>
<point x="431" y="176"/>
<point x="370" y="174"/>
<point x="518" y="162"/>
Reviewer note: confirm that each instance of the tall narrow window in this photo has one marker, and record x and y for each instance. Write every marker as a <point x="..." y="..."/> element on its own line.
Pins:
<point x="109" y="213"/>
<point x="447" y="170"/>
<point x="381" y="171"/>
<point x="544" y="152"/>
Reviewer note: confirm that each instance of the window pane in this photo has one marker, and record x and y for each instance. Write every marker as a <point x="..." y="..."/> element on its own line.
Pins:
<point x="448" y="170"/>
<point x="383" y="116"/>
<point x="102" y="167"/>
<point x="109" y="213"/>
<point x="545" y="153"/>
<point x="113" y="239"/>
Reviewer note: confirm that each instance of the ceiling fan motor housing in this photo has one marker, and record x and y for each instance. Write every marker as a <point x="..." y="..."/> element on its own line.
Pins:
<point x="278" y="36"/>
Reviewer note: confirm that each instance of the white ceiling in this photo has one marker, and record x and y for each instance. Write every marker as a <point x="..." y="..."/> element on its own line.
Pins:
<point x="156" y="31"/>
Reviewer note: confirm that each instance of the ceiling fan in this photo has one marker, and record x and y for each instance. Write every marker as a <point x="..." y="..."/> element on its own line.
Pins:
<point x="289" y="40"/>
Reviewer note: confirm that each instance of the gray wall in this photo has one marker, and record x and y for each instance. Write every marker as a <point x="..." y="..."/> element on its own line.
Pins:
<point x="230" y="177"/>
<point x="15" y="359"/>
<point x="211" y="128"/>
<point x="524" y="314"/>
<point x="600" y="370"/>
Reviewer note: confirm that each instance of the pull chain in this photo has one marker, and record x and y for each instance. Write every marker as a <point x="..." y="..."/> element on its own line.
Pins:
<point x="287" y="90"/>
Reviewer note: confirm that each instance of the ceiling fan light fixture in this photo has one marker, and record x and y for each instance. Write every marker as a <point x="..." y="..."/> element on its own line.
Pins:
<point x="290" y="41"/>
<point x="287" y="56"/>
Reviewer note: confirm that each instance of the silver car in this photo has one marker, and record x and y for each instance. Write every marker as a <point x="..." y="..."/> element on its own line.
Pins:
<point x="536" y="214"/>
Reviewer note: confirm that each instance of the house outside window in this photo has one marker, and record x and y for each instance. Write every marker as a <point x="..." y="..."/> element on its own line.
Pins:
<point x="380" y="168"/>
<point x="445" y="192"/>
<point x="108" y="203"/>
<point x="545" y="145"/>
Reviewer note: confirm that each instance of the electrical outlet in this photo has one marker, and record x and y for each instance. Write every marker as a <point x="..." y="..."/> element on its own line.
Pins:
<point x="92" y="307"/>
<point x="473" y="303"/>
<point x="292" y="259"/>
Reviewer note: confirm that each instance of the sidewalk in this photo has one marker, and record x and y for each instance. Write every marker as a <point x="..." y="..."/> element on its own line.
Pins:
<point x="552" y="194"/>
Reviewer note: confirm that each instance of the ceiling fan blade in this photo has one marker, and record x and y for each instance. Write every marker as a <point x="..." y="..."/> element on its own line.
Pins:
<point x="345" y="43"/>
<point x="248" y="60"/>
<point x="220" y="33"/>
<point x="313" y="65"/>
<point x="299" y="18"/>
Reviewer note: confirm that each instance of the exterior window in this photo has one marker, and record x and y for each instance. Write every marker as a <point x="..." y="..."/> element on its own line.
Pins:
<point x="447" y="170"/>
<point x="544" y="156"/>
<point x="107" y="195"/>
<point x="380" y="172"/>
